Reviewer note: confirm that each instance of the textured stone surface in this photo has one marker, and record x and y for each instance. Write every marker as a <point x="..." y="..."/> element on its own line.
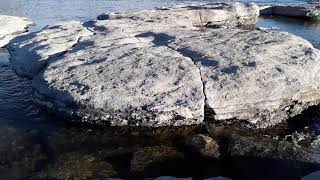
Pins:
<point x="125" y="82"/>
<point x="158" y="68"/>
<point x="262" y="77"/>
<point x="11" y="26"/>
<point x="30" y="52"/>
<point x="310" y="11"/>
<point x="214" y="15"/>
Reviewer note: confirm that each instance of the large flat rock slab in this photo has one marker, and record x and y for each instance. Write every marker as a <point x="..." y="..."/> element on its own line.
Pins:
<point x="30" y="52"/>
<point x="123" y="81"/>
<point x="161" y="67"/>
<point x="11" y="26"/>
<point x="262" y="77"/>
<point x="215" y="15"/>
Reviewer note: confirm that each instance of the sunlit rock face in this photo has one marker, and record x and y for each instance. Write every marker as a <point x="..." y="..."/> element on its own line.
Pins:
<point x="11" y="26"/>
<point x="31" y="52"/>
<point x="175" y="66"/>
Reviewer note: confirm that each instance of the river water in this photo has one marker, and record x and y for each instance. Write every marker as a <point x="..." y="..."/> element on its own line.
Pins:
<point x="31" y="139"/>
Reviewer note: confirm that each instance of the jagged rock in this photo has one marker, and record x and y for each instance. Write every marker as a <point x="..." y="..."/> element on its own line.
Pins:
<point x="310" y="11"/>
<point x="205" y="146"/>
<point x="11" y="26"/>
<point x="30" y="52"/>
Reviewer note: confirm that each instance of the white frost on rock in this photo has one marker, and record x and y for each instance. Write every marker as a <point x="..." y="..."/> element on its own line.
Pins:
<point x="11" y="26"/>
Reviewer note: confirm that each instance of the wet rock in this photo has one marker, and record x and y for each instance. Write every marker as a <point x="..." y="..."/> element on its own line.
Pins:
<point x="205" y="146"/>
<point x="309" y="11"/>
<point x="239" y="142"/>
<point x="20" y="153"/>
<point x="30" y="52"/>
<point x="11" y="26"/>
<point x="154" y="159"/>
<point x="77" y="165"/>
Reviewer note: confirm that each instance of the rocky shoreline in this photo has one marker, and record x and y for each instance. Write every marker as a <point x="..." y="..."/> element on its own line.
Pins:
<point x="170" y="66"/>
<point x="167" y="88"/>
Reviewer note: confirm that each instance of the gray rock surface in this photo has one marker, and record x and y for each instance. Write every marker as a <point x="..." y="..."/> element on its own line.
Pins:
<point x="214" y="15"/>
<point x="310" y="11"/>
<point x="124" y="81"/>
<point x="158" y="67"/>
<point x="11" y="26"/>
<point x="30" y="52"/>
<point x="262" y="77"/>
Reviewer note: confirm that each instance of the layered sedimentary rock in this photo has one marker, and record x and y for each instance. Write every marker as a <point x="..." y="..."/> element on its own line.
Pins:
<point x="162" y="67"/>
<point x="308" y="11"/>
<point x="11" y="26"/>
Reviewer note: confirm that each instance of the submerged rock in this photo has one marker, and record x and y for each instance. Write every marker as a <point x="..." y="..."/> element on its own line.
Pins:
<point x="21" y="153"/>
<point x="205" y="146"/>
<point x="159" y="68"/>
<point x="11" y="26"/>
<point x="157" y="159"/>
<point x="309" y="11"/>
<point x="80" y="166"/>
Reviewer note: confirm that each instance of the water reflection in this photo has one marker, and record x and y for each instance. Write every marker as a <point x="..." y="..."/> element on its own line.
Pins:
<point x="44" y="12"/>
<point x="309" y="30"/>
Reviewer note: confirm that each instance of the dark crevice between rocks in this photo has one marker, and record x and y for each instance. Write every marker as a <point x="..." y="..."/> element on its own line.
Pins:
<point x="209" y="112"/>
<point x="163" y="39"/>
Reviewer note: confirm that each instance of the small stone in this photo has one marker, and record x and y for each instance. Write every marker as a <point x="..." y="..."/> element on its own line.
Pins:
<point x="205" y="146"/>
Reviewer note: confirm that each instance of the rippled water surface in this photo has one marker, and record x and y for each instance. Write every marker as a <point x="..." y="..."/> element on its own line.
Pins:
<point x="309" y="30"/>
<point x="32" y="140"/>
